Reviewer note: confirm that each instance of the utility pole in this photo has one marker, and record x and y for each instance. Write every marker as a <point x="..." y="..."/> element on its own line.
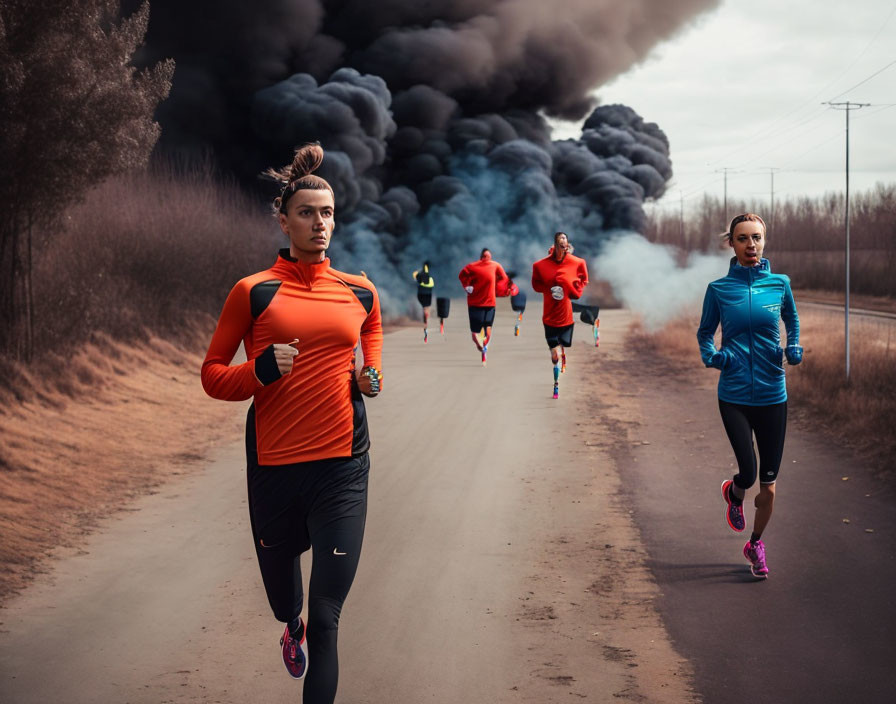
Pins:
<point x="725" y="171"/>
<point x="771" y="173"/>
<point x="847" y="107"/>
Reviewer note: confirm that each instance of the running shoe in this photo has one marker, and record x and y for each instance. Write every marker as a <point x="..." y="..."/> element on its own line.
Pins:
<point x="516" y="330"/>
<point x="425" y="335"/>
<point x="734" y="514"/>
<point x="755" y="553"/>
<point x="295" y="654"/>
<point x="484" y="352"/>
<point x="556" y="391"/>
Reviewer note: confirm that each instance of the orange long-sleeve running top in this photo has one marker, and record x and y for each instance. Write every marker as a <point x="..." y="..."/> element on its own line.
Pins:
<point x="316" y="411"/>
<point x="488" y="280"/>
<point x="571" y="274"/>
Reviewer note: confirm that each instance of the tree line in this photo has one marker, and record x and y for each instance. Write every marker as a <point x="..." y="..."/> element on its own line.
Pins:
<point x="806" y="236"/>
<point x="73" y="112"/>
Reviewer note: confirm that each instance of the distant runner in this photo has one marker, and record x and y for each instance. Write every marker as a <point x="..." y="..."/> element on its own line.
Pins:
<point x="749" y="303"/>
<point x="306" y="431"/>
<point x="518" y="305"/>
<point x="483" y="280"/>
<point x="559" y="277"/>
<point x="425" y="284"/>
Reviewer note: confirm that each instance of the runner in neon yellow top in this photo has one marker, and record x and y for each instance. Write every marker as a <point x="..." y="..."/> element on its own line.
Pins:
<point x="425" y="284"/>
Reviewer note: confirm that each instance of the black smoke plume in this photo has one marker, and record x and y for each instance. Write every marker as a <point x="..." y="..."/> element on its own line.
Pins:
<point x="432" y="115"/>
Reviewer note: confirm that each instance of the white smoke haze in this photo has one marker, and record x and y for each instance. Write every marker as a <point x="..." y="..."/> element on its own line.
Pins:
<point x="647" y="278"/>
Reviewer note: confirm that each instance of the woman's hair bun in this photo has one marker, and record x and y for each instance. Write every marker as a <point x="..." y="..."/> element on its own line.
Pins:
<point x="306" y="161"/>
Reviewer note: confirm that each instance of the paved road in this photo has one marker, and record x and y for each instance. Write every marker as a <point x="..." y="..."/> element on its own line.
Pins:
<point x="518" y="550"/>
<point x="821" y="628"/>
<point x="499" y="564"/>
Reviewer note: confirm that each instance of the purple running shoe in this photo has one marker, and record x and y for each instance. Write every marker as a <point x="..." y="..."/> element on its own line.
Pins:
<point x="755" y="553"/>
<point x="734" y="514"/>
<point x="295" y="654"/>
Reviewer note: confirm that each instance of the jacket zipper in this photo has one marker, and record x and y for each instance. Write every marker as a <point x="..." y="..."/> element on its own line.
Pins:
<point x="750" y="320"/>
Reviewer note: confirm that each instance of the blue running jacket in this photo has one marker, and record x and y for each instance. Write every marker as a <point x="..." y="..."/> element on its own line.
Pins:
<point x="749" y="303"/>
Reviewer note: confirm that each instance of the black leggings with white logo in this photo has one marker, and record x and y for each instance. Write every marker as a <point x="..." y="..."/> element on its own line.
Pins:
<point x="320" y="505"/>
<point x="769" y="425"/>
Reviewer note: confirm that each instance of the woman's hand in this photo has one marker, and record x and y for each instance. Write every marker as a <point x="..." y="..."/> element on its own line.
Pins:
<point x="285" y="355"/>
<point x="719" y="360"/>
<point x="794" y="354"/>
<point x="370" y="381"/>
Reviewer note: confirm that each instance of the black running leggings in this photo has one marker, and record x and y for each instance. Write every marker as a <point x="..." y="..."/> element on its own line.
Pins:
<point x="321" y="505"/>
<point x="769" y="425"/>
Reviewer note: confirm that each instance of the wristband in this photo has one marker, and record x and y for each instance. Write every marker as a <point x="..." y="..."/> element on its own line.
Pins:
<point x="375" y="376"/>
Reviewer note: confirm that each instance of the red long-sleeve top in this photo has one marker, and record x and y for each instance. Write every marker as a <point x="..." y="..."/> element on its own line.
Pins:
<point x="488" y="280"/>
<point x="316" y="411"/>
<point x="571" y="274"/>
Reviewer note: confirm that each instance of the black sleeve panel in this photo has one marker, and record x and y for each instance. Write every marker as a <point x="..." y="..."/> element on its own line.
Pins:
<point x="360" y="435"/>
<point x="261" y="295"/>
<point x="266" y="368"/>
<point x="365" y="296"/>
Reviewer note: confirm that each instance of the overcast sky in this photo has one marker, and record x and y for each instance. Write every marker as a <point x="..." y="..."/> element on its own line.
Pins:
<point x="742" y="89"/>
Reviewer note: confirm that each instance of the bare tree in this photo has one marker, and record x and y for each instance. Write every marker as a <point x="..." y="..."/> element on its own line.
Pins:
<point x="73" y="111"/>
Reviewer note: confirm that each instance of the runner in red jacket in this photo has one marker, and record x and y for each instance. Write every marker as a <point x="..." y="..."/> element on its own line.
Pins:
<point x="483" y="280"/>
<point x="559" y="277"/>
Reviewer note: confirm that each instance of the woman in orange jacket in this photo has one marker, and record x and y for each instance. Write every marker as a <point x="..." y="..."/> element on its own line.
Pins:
<point x="306" y="432"/>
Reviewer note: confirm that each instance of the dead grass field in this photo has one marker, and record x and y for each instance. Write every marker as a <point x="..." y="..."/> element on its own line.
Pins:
<point x="80" y="435"/>
<point x="119" y="420"/>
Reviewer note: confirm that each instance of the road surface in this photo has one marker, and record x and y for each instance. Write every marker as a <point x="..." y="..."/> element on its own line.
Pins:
<point x="499" y="564"/>
<point x="518" y="549"/>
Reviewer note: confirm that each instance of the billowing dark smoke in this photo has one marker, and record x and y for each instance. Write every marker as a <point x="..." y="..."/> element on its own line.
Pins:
<point x="432" y="116"/>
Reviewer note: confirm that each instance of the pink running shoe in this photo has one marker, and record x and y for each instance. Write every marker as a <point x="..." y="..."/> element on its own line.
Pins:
<point x="734" y="514"/>
<point x="295" y="654"/>
<point x="755" y="553"/>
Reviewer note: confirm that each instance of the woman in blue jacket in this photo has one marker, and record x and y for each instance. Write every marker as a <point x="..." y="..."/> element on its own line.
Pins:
<point x="749" y="303"/>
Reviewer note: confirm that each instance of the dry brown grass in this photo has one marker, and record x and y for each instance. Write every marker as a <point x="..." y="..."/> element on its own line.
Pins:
<point x="147" y="252"/>
<point x="111" y="421"/>
<point x="861" y="414"/>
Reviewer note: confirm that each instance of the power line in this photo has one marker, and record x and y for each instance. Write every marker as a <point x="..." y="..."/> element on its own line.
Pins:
<point x="876" y="73"/>
<point x="882" y="106"/>
<point x="776" y="146"/>
<point x="772" y="125"/>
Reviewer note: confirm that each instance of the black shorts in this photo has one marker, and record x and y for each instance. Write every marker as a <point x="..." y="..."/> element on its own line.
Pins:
<point x="481" y="317"/>
<point x="768" y="424"/>
<point x="425" y="298"/>
<point x="559" y="336"/>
